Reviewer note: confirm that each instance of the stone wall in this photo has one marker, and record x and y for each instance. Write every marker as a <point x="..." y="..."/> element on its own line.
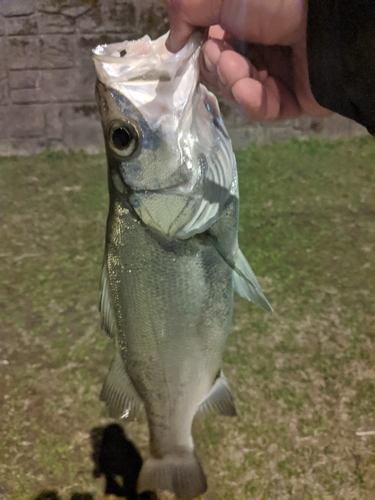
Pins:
<point x="47" y="77"/>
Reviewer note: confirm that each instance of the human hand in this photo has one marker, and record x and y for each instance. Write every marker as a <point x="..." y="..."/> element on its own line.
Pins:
<point x="255" y="55"/>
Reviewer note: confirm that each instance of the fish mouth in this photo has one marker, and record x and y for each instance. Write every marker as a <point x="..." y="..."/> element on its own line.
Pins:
<point x="181" y="184"/>
<point x="213" y="192"/>
<point x="174" y="189"/>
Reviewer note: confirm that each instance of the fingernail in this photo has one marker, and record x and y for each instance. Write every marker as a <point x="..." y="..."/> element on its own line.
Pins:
<point x="208" y="63"/>
<point x="222" y="80"/>
<point x="237" y="99"/>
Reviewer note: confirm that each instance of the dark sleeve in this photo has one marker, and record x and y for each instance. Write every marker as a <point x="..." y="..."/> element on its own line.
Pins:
<point x="341" y="57"/>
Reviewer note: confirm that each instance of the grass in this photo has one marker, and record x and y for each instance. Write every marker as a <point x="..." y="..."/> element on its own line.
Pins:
<point x="303" y="377"/>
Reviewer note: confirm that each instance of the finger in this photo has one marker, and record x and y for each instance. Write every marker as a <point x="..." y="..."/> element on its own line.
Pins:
<point x="210" y="55"/>
<point x="267" y="100"/>
<point x="232" y="69"/>
<point x="222" y="67"/>
<point x="186" y="15"/>
<point x="261" y="96"/>
<point x="178" y="36"/>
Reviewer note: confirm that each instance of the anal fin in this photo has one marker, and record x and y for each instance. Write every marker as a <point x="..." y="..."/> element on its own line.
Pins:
<point x="118" y="392"/>
<point x="219" y="400"/>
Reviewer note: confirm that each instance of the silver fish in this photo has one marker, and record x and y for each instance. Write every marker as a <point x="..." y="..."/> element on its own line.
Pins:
<point x="171" y="258"/>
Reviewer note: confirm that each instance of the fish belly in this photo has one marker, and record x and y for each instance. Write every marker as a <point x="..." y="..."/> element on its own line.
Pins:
<point x="173" y="303"/>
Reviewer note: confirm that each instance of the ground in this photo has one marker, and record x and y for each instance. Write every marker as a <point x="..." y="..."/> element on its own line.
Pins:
<point x="303" y="377"/>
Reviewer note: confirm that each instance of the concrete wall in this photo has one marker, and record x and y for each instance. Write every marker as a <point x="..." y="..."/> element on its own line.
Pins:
<point x="243" y="131"/>
<point x="47" y="77"/>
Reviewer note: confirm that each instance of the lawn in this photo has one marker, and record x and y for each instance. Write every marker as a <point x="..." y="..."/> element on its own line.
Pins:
<point x="303" y="377"/>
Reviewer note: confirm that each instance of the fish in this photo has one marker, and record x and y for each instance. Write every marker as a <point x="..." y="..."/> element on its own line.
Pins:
<point x="172" y="260"/>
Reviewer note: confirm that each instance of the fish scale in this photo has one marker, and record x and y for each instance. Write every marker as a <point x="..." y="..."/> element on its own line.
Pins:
<point x="174" y="308"/>
<point x="172" y="261"/>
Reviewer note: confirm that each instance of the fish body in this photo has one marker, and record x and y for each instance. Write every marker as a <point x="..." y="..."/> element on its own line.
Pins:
<point x="171" y="259"/>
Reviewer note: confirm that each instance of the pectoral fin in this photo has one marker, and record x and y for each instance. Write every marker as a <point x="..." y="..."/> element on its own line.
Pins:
<point x="223" y="235"/>
<point x="118" y="392"/>
<point x="244" y="280"/>
<point x="219" y="400"/>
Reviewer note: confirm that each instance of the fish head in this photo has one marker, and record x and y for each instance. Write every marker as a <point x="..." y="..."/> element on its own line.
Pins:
<point x="147" y="159"/>
<point x="160" y="126"/>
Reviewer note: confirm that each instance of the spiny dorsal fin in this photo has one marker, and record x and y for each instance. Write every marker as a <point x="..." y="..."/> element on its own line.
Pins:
<point x="105" y="305"/>
<point x="219" y="399"/>
<point x="118" y="392"/>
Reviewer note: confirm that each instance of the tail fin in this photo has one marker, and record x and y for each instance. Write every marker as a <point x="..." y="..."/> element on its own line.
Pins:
<point x="180" y="473"/>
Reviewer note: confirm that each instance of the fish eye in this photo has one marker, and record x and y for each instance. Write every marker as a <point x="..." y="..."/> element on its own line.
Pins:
<point x="121" y="138"/>
<point x="124" y="138"/>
